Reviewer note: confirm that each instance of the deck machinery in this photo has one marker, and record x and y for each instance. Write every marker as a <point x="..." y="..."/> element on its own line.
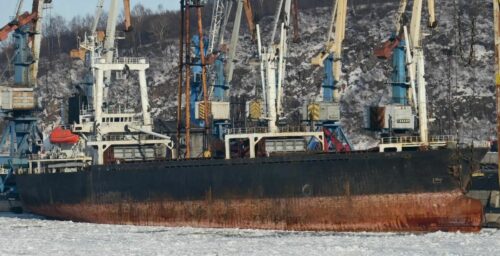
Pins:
<point x="21" y="136"/>
<point x="273" y="139"/>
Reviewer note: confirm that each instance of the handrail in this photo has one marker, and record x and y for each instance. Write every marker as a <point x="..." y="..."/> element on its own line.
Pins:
<point x="282" y="129"/>
<point x="93" y="138"/>
<point x="123" y="60"/>
<point x="416" y="139"/>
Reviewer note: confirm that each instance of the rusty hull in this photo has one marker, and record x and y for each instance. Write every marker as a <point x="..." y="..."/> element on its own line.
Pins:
<point x="364" y="191"/>
<point x="443" y="211"/>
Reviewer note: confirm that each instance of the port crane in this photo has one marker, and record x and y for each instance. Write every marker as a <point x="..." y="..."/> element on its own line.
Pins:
<point x="408" y="83"/>
<point x="21" y="136"/>
<point x="214" y="65"/>
<point x="326" y="113"/>
<point x="223" y="65"/>
<point x="99" y="43"/>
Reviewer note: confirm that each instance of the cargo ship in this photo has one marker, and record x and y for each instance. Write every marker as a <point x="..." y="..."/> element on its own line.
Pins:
<point x="112" y="166"/>
<point x="359" y="191"/>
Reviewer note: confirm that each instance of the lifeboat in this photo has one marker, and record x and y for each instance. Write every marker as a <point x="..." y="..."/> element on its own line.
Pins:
<point x="63" y="136"/>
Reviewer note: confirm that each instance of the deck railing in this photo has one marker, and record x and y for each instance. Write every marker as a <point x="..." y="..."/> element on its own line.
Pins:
<point x="416" y="139"/>
<point x="247" y="130"/>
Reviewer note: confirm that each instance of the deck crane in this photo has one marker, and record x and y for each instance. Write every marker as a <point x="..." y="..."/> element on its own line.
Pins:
<point x="274" y="138"/>
<point x="326" y="113"/>
<point x="408" y="82"/>
<point x="21" y="136"/>
<point x="98" y="43"/>
<point x="273" y="66"/>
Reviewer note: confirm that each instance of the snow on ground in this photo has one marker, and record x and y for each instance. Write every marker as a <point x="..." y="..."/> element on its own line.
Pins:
<point x="30" y="235"/>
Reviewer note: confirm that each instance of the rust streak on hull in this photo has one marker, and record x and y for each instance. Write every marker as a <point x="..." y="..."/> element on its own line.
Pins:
<point x="445" y="211"/>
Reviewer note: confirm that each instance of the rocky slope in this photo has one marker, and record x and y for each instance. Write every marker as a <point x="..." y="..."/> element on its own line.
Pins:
<point x="459" y="67"/>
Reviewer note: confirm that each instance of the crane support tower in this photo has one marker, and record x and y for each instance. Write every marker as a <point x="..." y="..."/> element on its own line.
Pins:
<point x="21" y="136"/>
<point x="399" y="120"/>
<point x="217" y="70"/>
<point x="325" y="113"/>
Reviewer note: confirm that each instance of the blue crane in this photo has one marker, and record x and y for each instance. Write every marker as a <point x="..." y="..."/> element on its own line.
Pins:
<point x="326" y="113"/>
<point x="221" y="68"/>
<point x="21" y="136"/>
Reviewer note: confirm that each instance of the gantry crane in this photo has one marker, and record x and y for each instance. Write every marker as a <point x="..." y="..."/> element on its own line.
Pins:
<point x="21" y="136"/>
<point x="325" y="114"/>
<point x="408" y="82"/>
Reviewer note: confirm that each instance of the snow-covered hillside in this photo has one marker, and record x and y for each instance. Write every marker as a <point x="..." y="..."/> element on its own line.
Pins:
<point x="459" y="66"/>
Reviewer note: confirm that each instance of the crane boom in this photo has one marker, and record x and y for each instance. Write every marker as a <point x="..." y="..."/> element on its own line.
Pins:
<point x="432" y="14"/>
<point x="339" y="38"/>
<point x="227" y="11"/>
<point x="215" y="25"/>
<point x="399" y="15"/>
<point x="249" y="17"/>
<point x="276" y="21"/>
<point x="97" y="17"/>
<point x="234" y="42"/>
<point x="36" y="39"/>
<point x="283" y="54"/>
<point x="18" y="22"/>
<point x="416" y="19"/>
<point x="109" y="43"/>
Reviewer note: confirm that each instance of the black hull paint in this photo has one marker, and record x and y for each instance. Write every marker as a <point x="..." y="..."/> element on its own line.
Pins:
<point x="248" y="185"/>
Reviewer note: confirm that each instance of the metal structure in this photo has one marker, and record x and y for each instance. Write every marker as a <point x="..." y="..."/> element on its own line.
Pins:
<point x="97" y="44"/>
<point x="272" y="66"/>
<point x="97" y="134"/>
<point x="325" y="114"/>
<point x="408" y="82"/>
<point x="214" y="112"/>
<point x="250" y="18"/>
<point x="21" y="136"/>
